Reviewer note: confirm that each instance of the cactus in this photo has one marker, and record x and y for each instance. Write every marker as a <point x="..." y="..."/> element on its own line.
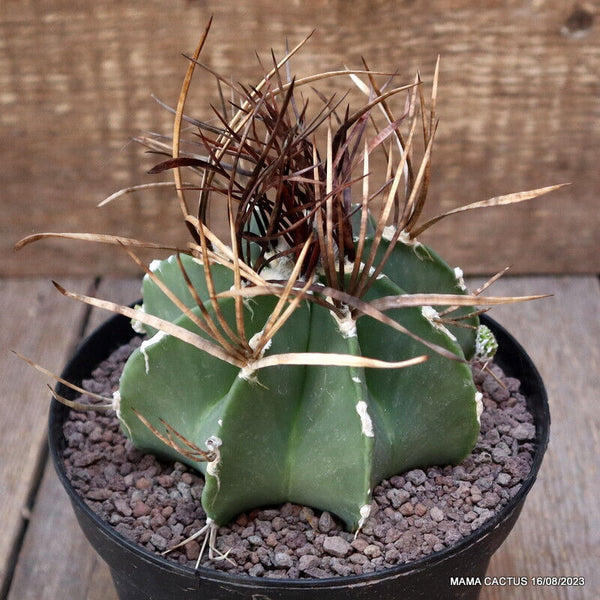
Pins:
<point x="319" y="435"/>
<point x="324" y="348"/>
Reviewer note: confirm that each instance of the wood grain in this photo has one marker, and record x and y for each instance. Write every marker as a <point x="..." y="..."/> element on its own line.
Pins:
<point x="40" y="324"/>
<point x="55" y="566"/>
<point x="56" y="560"/>
<point x="518" y="104"/>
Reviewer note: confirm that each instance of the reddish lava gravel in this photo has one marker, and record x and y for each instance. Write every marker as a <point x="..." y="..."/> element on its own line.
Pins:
<point x="157" y="504"/>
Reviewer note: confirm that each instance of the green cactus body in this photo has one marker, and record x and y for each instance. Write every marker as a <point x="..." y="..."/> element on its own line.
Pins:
<point x="420" y="269"/>
<point x="323" y="436"/>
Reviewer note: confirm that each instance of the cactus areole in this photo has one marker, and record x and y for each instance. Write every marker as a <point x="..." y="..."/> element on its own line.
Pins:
<point x="322" y="347"/>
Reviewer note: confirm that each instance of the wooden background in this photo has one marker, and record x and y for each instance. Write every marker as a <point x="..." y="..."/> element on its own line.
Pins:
<point x="519" y="104"/>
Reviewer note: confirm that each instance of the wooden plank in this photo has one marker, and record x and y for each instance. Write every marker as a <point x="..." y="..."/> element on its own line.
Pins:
<point x="557" y="534"/>
<point x="65" y="566"/>
<point x="42" y="325"/>
<point x="56" y="560"/>
<point x="517" y="96"/>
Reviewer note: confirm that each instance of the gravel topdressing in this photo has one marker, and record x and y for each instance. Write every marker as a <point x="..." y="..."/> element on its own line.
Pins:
<point x="157" y="504"/>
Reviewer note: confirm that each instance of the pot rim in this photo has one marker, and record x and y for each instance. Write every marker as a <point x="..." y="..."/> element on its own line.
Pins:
<point x="542" y="425"/>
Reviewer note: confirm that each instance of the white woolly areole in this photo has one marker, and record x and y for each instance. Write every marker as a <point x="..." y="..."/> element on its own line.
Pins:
<point x="479" y="405"/>
<point x="356" y="379"/>
<point x="365" y="419"/>
<point x="136" y="325"/>
<point x="279" y="268"/>
<point x="255" y="339"/>
<point x="117" y="408"/>
<point x="247" y="373"/>
<point x="213" y="443"/>
<point x="431" y="315"/>
<point x="390" y="231"/>
<point x="365" y="512"/>
<point x="346" y="324"/>
<point x="349" y="268"/>
<point x="459" y="275"/>
<point x="157" y="337"/>
<point x="116" y="403"/>
<point x="155" y="264"/>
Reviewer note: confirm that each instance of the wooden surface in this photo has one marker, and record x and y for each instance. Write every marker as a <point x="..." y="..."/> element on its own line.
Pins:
<point x="36" y="328"/>
<point x="519" y="104"/>
<point x="55" y="560"/>
<point x="557" y="534"/>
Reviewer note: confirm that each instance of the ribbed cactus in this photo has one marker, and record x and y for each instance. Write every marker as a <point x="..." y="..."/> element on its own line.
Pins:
<point x="319" y="435"/>
<point x="322" y="348"/>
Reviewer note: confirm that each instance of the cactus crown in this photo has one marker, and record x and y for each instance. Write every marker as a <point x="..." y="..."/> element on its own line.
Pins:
<point x="289" y="182"/>
<point x="273" y="362"/>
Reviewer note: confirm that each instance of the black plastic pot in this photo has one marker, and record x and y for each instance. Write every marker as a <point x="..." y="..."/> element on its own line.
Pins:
<point x="139" y="574"/>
